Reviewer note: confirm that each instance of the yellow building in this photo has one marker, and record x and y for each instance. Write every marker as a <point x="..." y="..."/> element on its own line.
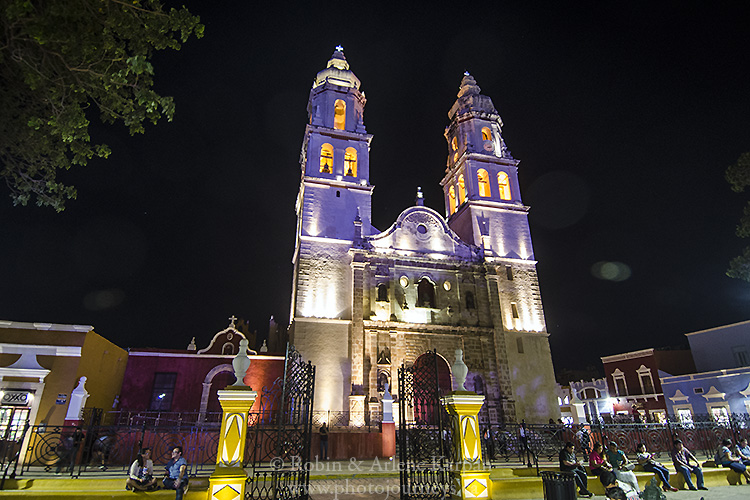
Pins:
<point x="42" y="363"/>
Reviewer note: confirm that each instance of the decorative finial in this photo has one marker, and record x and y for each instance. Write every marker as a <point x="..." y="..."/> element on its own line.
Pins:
<point x="339" y="48"/>
<point x="232" y="319"/>
<point x="264" y="347"/>
<point x="420" y="197"/>
<point x="241" y="363"/>
<point x="460" y="370"/>
<point x="191" y="346"/>
<point x="466" y="73"/>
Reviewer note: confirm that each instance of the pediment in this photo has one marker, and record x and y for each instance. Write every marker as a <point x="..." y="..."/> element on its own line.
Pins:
<point x="422" y="230"/>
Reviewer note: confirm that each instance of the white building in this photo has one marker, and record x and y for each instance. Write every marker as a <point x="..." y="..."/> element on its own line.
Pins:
<point x="366" y="301"/>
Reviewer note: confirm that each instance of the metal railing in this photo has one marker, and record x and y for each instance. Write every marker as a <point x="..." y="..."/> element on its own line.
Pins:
<point x="348" y="419"/>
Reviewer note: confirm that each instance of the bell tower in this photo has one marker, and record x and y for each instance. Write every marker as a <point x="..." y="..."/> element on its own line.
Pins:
<point x="482" y="196"/>
<point x="335" y="157"/>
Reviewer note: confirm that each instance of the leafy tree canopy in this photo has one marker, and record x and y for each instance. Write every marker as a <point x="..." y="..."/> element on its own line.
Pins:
<point x="60" y="58"/>
<point x="738" y="175"/>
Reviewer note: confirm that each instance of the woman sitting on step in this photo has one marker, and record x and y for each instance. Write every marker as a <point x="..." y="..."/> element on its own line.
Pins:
<point x="726" y="459"/>
<point x="650" y="464"/>
<point x="601" y="467"/>
<point x="140" y="476"/>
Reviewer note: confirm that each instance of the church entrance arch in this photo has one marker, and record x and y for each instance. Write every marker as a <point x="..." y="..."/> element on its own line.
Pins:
<point x="207" y="382"/>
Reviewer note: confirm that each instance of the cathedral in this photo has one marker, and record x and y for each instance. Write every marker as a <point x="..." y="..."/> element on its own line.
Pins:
<point x="366" y="301"/>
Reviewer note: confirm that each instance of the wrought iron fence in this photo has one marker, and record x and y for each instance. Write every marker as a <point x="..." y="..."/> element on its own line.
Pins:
<point x="73" y="450"/>
<point x="507" y="444"/>
<point x="162" y="418"/>
<point x="12" y="434"/>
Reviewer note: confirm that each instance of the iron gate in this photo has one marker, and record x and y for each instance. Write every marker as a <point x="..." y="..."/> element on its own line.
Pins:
<point x="424" y="436"/>
<point x="279" y="434"/>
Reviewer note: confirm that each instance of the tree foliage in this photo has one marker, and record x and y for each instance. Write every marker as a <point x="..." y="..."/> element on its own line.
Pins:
<point x="61" y="60"/>
<point x="738" y="175"/>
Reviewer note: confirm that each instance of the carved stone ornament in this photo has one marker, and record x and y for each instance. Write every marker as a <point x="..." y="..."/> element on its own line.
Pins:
<point x="241" y="363"/>
<point x="460" y="370"/>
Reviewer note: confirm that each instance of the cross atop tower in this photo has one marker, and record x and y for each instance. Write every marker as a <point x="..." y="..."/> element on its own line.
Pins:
<point x="232" y="319"/>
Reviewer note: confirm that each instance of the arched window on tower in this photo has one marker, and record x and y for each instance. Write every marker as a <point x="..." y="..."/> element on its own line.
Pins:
<point x="470" y="301"/>
<point x="339" y="114"/>
<point x="503" y="184"/>
<point x="382" y="292"/>
<point x="350" y="162"/>
<point x="452" y="199"/>
<point x="454" y="147"/>
<point x="461" y="189"/>
<point x="484" y="183"/>
<point x="326" y="159"/>
<point x="486" y="134"/>
<point x="425" y="293"/>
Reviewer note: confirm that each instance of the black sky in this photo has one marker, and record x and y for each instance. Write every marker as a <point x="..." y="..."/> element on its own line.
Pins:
<point x="624" y="116"/>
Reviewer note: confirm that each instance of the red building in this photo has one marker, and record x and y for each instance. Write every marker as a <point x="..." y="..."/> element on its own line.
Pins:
<point x="174" y="383"/>
<point x="633" y="380"/>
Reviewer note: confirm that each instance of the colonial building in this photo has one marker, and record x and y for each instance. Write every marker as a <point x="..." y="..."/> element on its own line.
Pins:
<point x="365" y="301"/>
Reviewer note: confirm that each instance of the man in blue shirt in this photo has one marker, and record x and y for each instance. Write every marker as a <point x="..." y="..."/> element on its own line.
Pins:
<point x="176" y="477"/>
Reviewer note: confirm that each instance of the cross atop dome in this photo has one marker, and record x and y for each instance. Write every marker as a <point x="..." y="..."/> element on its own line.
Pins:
<point x="339" y="48"/>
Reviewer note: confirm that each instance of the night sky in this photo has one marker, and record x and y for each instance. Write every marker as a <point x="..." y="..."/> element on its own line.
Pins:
<point x="624" y="115"/>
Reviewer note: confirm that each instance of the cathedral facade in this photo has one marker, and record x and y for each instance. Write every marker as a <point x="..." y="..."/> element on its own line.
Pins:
<point x="365" y="301"/>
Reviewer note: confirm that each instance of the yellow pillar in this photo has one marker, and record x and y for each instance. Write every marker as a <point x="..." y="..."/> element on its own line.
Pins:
<point x="469" y="478"/>
<point x="228" y="480"/>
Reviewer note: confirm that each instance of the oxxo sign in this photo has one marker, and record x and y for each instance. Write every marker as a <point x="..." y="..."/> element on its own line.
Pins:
<point x="19" y="398"/>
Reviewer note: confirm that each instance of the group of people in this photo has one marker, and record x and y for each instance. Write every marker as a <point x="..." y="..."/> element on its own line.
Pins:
<point x="141" y="474"/>
<point x="615" y="470"/>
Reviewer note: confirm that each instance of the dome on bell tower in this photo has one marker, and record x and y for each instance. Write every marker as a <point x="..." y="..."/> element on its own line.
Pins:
<point x="337" y="72"/>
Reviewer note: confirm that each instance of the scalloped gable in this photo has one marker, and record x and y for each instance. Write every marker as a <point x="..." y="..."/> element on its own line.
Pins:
<point x="229" y="335"/>
<point x="423" y="230"/>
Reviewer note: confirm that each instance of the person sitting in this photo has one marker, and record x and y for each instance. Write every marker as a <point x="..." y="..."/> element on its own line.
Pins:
<point x="141" y="474"/>
<point x="569" y="463"/>
<point x="650" y="464"/>
<point x="743" y="451"/>
<point x="176" y="476"/>
<point x="621" y="466"/>
<point x="681" y="458"/>
<point x="726" y="459"/>
<point x="601" y="467"/>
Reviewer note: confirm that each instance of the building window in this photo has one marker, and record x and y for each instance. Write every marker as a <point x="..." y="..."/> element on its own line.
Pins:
<point x="503" y="184"/>
<point x="339" y="114"/>
<point x="514" y="309"/>
<point x="470" y="304"/>
<point x="519" y="345"/>
<point x="163" y="390"/>
<point x="509" y="272"/>
<point x="684" y="414"/>
<point x="326" y="159"/>
<point x="486" y="134"/>
<point x="382" y="292"/>
<point x="646" y="380"/>
<point x="621" y="387"/>
<point x="697" y="390"/>
<point x="720" y="413"/>
<point x="483" y="178"/>
<point x="228" y="348"/>
<point x="478" y="385"/>
<point x="350" y="162"/>
<point x="452" y="199"/>
<point x="461" y="189"/>
<point x="590" y="393"/>
<point x="740" y="356"/>
<point x="454" y="147"/>
<point x="425" y="293"/>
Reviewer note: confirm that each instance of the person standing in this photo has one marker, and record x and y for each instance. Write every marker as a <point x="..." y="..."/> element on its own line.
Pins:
<point x="176" y="476"/>
<point x="681" y="458"/>
<point x="584" y="440"/>
<point x="569" y="463"/>
<point x="649" y="464"/>
<point x="324" y="442"/>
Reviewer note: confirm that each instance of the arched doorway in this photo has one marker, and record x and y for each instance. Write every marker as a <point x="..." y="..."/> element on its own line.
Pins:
<point x="432" y="379"/>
